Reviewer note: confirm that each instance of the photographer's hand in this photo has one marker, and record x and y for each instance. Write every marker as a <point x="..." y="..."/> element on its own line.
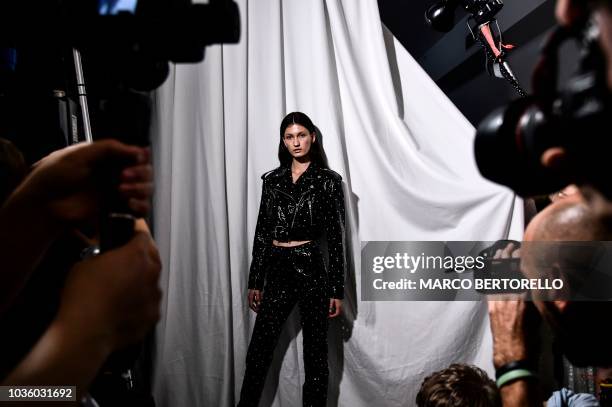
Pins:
<point x="108" y="301"/>
<point x="515" y="330"/>
<point x="511" y="318"/>
<point x="115" y="295"/>
<point x="66" y="188"/>
<point x="511" y="335"/>
<point x="72" y="184"/>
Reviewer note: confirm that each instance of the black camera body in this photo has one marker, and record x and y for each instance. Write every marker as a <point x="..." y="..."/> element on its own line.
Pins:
<point x="441" y="16"/>
<point x="125" y="54"/>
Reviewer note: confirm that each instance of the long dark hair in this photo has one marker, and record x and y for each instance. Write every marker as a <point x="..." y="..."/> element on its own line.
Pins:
<point x="316" y="153"/>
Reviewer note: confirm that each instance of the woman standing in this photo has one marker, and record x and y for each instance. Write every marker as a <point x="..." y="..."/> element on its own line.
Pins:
<point x="301" y="203"/>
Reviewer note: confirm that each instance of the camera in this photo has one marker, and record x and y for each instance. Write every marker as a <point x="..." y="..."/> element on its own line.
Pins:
<point x="511" y="140"/>
<point x="107" y="55"/>
<point x="126" y="47"/>
<point x="441" y="16"/>
<point x="171" y="30"/>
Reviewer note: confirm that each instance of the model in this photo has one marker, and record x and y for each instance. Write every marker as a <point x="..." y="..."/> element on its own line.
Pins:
<point x="302" y="204"/>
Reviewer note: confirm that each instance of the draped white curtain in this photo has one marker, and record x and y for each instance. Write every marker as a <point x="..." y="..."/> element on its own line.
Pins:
<point x="405" y="154"/>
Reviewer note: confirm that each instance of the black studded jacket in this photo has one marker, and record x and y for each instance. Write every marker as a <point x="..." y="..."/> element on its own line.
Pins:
<point x="310" y="209"/>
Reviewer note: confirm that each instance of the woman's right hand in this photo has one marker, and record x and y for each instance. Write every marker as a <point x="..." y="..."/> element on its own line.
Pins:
<point x="255" y="297"/>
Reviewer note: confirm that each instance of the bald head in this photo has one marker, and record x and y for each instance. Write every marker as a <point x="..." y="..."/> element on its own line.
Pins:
<point x="569" y="219"/>
<point x="566" y="221"/>
<point x="576" y="323"/>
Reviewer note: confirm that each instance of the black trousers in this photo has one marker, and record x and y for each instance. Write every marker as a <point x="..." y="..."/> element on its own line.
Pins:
<point x="295" y="275"/>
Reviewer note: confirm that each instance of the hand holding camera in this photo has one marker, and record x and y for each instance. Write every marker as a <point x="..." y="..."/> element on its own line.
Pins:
<point x="115" y="297"/>
<point x="72" y="184"/>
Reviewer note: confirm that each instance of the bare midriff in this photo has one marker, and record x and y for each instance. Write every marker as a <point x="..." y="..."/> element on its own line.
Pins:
<point x="291" y="243"/>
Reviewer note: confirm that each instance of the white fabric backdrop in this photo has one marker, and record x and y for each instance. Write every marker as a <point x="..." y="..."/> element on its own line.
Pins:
<point x="405" y="154"/>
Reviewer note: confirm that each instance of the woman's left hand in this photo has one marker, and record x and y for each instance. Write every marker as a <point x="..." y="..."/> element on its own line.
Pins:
<point x="335" y="307"/>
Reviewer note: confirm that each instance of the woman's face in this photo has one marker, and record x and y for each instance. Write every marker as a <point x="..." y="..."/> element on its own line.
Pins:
<point x="298" y="140"/>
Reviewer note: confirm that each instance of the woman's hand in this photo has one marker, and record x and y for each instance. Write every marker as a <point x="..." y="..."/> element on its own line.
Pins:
<point x="335" y="307"/>
<point x="255" y="297"/>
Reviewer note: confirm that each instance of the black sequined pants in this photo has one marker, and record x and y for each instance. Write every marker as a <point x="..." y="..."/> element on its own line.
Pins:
<point x="295" y="275"/>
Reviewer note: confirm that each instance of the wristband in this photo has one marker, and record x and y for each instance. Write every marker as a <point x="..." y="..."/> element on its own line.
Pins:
<point x="515" y="364"/>
<point x="514" y="375"/>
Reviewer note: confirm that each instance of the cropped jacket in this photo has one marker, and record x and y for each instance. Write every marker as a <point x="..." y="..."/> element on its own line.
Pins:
<point x="310" y="209"/>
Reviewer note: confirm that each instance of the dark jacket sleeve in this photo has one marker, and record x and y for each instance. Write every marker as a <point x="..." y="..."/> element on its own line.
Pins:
<point x="334" y="223"/>
<point x="262" y="243"/>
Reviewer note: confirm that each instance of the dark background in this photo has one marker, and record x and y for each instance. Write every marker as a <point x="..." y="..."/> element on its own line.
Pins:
<point x="460" y="71"/>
